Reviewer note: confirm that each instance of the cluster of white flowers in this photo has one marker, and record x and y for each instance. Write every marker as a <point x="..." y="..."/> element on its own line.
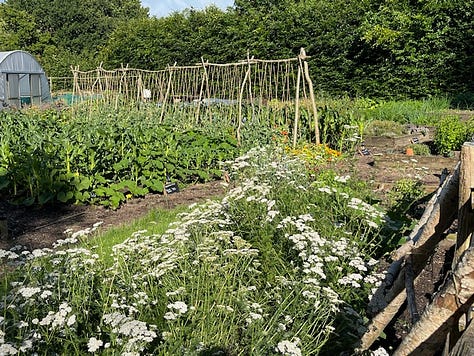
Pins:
<point x="58" y="319"/>
<point x="342" y="179"/>
<point x="379" y="352"/>
<point x="174" y="268"/>
<point x="136" y="332"/>
<point x="288" y="348"/>
<point x="255" y="313"/>
<point x="352" y="279"/>
<point x="74" y="235"/>
<point x="176" y="309"/>
<point x="372" y="214"/>
<point x="28" y="292"/>
<point x="11" y="255"/>
<point x="94" y="344"/>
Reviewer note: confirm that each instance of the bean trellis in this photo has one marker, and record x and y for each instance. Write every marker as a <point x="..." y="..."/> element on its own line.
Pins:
<point x="252" y="88"/>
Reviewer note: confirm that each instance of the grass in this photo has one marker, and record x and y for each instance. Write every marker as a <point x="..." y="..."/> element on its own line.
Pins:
<point x="156" y="221"/>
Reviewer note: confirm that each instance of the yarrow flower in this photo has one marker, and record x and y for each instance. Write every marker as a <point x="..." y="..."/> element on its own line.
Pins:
<point x="180" y="307"/>
<point x="28" y="292"/>
<point x="342" y="179"/>
<point x="7" y="349"/>
<point x="94" y="344"/>
<point x="379" y="352"/>
<point x="288" y="348"/>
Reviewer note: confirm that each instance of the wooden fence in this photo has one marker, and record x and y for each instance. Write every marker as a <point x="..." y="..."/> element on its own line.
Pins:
<point x="248" y="88"/>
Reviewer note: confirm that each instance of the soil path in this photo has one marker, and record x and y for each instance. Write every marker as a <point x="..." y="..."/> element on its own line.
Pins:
<point x="41" y="227"/>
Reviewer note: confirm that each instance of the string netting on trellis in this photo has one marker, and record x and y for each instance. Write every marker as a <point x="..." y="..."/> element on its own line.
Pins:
<point x="251" y="91"/>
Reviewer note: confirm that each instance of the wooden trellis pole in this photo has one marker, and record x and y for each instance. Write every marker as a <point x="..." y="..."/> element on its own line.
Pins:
<point x="204" y="82"/>
<point x="241" y="94"/>
<point x="311" y="95"/>
<point x="297" y="105"/>
<point x="168" y="88"/>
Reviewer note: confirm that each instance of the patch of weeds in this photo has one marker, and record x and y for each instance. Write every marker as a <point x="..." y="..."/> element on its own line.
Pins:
<point x="451" y="133"/>
<point x="404" y="194"/>
<point x="384" y="128"/>
<point x="420" y="149"/>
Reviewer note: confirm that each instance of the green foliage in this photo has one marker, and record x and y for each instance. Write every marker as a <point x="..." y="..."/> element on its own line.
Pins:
<point x="401" y="208"/>
<point x="384" y="128"/>
<point x="463" y="101"/>
<point x="63" y="33"/>
<point x="404" y="194"/>
<point x="416" y="112"/>
<point x="421" y="149"/>
<point x="401" y="49"/>
<point x="339" y="128"/>
<point x="52" y="156"/>
<point x="450" y="134"/>
<point x="415" y="48"/>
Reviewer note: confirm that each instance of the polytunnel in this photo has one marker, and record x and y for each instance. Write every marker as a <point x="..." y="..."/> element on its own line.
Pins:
<point x="22" y="80"/>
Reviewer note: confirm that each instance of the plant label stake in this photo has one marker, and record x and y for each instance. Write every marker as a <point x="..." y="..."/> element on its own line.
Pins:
<point x="170" y="187"/>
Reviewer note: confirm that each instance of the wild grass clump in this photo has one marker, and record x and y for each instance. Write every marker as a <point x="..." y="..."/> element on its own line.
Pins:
<point x="282" y="264"/>
<point x="417" y="112"/>
<point x="384" y="128"/>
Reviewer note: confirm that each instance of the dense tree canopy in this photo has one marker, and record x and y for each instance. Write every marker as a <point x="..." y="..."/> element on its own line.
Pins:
<point x="64" y="30"/>
<point x="410" y="48"/>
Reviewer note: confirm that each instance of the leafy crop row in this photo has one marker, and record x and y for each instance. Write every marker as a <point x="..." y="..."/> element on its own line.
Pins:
<point x="51" y="156"/>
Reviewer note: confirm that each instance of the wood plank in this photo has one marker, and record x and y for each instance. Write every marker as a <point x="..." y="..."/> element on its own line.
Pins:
<point x="465" y="345"/>
<point x="455" y="297"/>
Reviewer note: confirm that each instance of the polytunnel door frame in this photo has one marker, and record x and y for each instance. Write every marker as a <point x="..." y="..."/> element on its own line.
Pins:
<point x="35" y="89"/>
<point x="12" y="94"/>
<point x="17" y="94"/>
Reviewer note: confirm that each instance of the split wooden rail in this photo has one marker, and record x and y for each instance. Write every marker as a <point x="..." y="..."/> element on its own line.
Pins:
<point x="445" y="324"/>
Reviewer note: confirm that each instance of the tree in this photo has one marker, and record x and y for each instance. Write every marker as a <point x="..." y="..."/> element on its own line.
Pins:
<point x="183" y="37"/>
<point x="18" y="29"/>
<point x="66" y="30"/>
<point x="418" y="48"/>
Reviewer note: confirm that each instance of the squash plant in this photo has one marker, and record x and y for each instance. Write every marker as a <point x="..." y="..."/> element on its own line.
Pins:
<point x="52" y="156"/>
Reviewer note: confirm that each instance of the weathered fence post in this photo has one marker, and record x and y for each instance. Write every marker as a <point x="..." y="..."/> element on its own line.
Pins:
<point x="466" y="201"/>
<point x="311" y="95"/>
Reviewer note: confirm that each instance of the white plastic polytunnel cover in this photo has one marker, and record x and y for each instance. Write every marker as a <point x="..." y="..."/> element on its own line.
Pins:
<point x="22" y="80"/>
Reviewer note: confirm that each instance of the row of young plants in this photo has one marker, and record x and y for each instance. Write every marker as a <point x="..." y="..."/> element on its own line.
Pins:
<point x="48" y="156"/>
<point x="102" y="156"/>
<point x="284" y="263"/>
